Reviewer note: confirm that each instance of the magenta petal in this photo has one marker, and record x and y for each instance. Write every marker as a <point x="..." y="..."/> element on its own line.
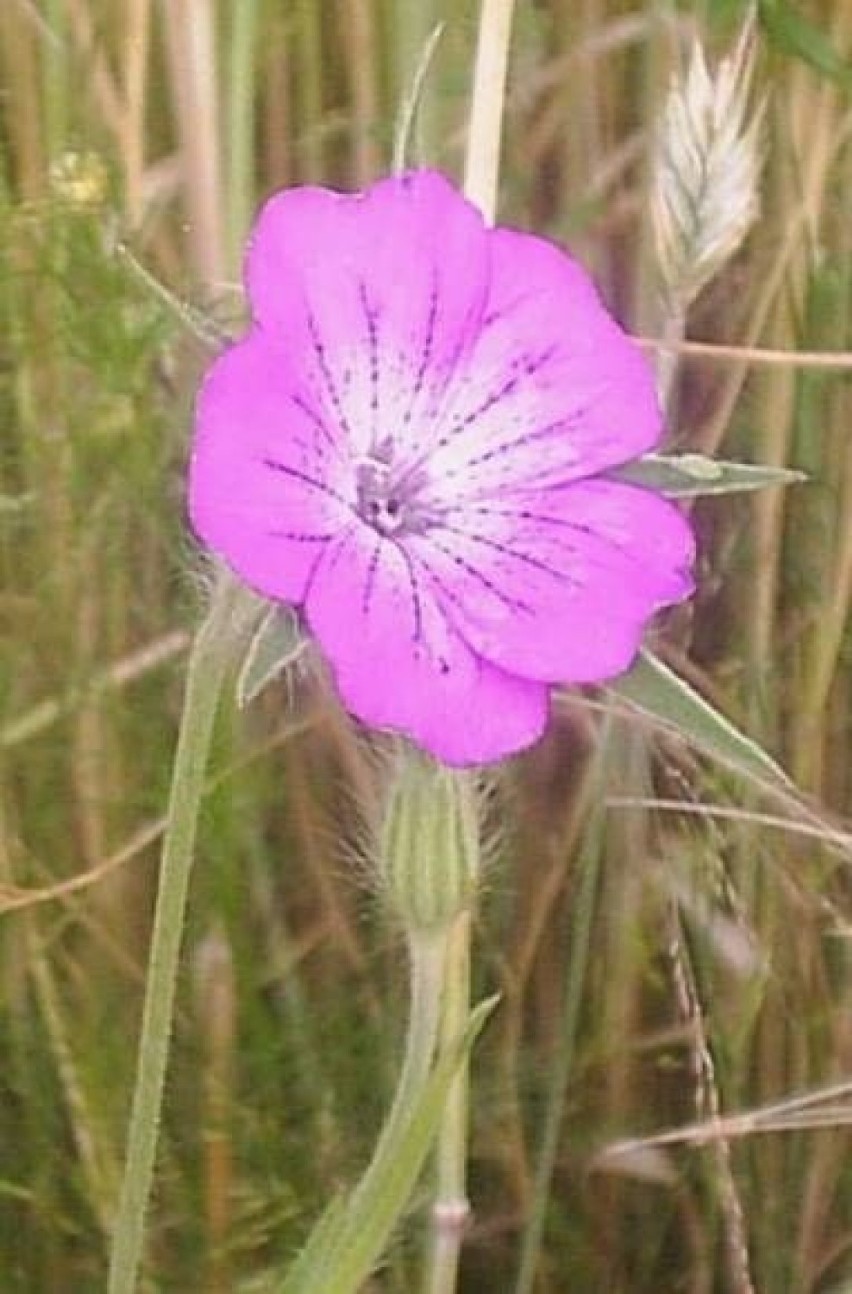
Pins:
<point x="407" y="445"/>
<point x="377" y="296"/>
<point x="267" y="486"/>
<point x="399" y="664"/>
<point x="553" y="391"/>
<point x="559" y="584"/>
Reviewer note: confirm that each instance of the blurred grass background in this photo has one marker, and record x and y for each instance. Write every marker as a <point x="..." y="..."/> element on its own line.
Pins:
<point x="671" y="947"/>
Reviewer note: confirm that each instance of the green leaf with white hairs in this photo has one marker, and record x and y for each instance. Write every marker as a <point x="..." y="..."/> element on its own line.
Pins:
<point x="352" y="1234"/>
<point x="684" y="476"/>
<point x="659" y="692"/>
<point x="277" y="644"/>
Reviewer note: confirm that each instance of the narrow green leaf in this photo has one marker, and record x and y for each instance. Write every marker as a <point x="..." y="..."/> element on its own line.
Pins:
<point x="349" y="1240"/>
<point x="655" y="689"/>
<point x="308" y="1271"/>
<point x="278" y="642"/>
<point x="791" y="32"/>
<point x="682" y="476"/>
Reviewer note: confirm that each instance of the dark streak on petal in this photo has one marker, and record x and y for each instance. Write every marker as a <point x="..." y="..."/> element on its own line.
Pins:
<point x="426" y="353"/>
<point x="477" y="574"/>
<point x="496" y="315"/>
<point x="294" y="472"/>
<point x="564" y="523"/>
<point x="373" y="342"/>
<point x="300" y="538"/>
<point x="524" y="514"/>
<point x="527" y="366"/>
<point x="318" y="421"/>
<point x="331" y="387"/>
<point x="527" y="438"/>
<point x="320" y="558"/>
<point x="417" y="606"/>
<point x="526" y="558"/>
<point x="371" y="575"/>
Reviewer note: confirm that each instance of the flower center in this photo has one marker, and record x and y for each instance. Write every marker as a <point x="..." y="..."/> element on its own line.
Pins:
<point x="387" y="495"/>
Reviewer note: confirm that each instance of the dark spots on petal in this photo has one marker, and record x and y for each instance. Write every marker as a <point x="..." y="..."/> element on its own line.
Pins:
<point x="301" y="538"/>
<point x="417" y="606"/>
<point x="327" y="375"/>
<point x="371" y="319"/>
<point x="426" y="353"/>
<point x="494" y="316"/>
<point x="370" y="581"/>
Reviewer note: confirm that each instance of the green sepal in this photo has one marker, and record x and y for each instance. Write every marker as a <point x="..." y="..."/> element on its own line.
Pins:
<point x="659" y="692"/>
<point x="683" y="476"/>
<point x="277" y="644"/>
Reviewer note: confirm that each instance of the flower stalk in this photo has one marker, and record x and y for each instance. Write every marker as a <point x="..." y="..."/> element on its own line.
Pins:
<point x="451" y="1207"/>
<point x="231" y="613"/>
<point x="427" y="861"/>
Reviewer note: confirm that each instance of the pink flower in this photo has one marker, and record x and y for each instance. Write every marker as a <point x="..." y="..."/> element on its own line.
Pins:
<point x="408" y="445"/>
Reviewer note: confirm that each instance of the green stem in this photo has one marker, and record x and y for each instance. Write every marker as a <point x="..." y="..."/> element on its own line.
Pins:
<point x="427" y="956"/>
<point x="451" y="1207"/>
<point x="211" y="654"/>
<point x="345" y="1245"/>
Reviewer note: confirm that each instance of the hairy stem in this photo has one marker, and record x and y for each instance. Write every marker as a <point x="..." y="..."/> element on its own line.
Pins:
<point x="451" y="1208"/>
<point x="208" y="663"/>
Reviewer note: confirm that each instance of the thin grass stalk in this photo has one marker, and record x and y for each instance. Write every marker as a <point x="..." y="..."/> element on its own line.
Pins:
<point x="277" y="122"/>
<point x="54" y="84"/>
<point x="577" y="111"/>
<point x="544" y="900"/>
<point x="242" y="94"/>
<point x="708" y="1101"/>
<point x="411" y="35"/>
<point x="485" y="127"/>
<point x="579" y="944"/>
<point x="211" y="655"/>
<point x="362" y="66"/>
<point x="825" y="659"/>
<point x="818" y="164"/>
<point x="98" y="1168"/>
<point x="409" y="108"/>
<point x="137" y="30"/>
<point x="190" y="38"/>
<point x="308" y="84"/>
<point x="77" y="19"/>
<point x="24" y="123"/>
<point x="824" y="638"/>
<point x="217" y="1015"/>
